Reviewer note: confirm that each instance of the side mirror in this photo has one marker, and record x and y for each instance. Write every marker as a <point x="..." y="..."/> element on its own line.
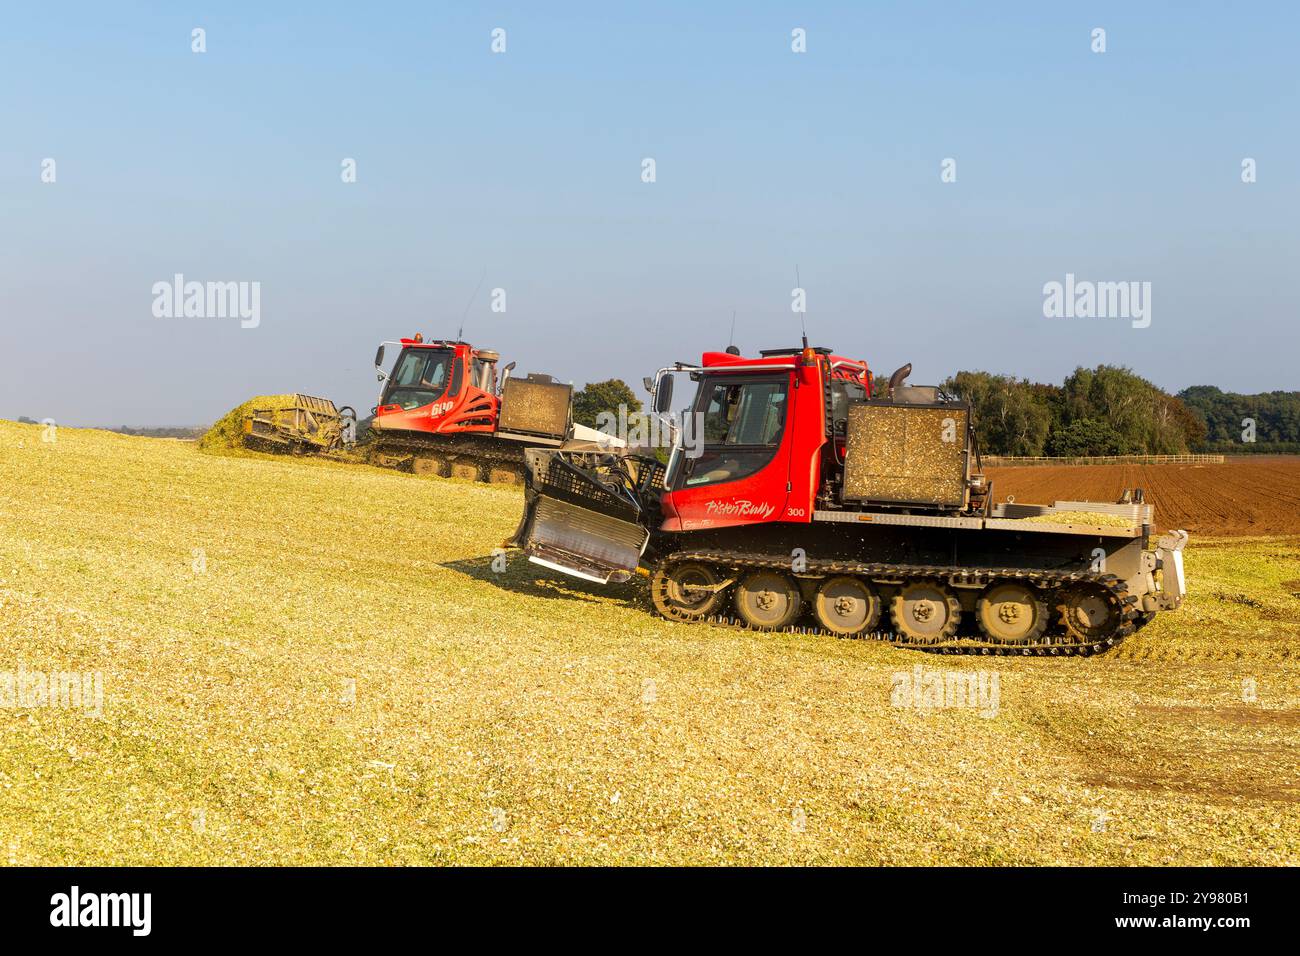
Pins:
<point x="649" y="384"/>
<point x="664" y="395"/>
<point x="379" y="357"/>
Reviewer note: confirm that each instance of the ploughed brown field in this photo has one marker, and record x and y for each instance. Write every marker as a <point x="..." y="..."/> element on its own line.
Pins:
<point x="1243" y="496"/>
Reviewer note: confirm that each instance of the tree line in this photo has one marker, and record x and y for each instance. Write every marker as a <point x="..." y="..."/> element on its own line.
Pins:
<point x="1110" y="410"/>
<point x="1107" y="410"/>
<point x="1265" y="422"/>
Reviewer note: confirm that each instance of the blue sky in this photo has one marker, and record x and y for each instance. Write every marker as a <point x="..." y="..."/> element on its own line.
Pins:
<point x="525" y="168"/>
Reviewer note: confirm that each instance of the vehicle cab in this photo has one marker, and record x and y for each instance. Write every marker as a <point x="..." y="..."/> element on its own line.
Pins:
<point x="757" y="436"/>
<point x="437" y="386"/>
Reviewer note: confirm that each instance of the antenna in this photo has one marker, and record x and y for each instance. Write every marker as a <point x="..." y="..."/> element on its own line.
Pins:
<point x="803" y="326"/>
<point x="461" y="330"/>
<point x="731" y="346"/>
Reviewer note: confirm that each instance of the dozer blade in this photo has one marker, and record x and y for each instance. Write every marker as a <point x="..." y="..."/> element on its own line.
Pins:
<point x="576" y="522"/>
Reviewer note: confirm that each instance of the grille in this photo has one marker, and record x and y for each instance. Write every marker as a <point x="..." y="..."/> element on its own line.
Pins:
<point x="535" y="407"/>
<point x="567" y="483"/>
<point x="652" y="477"/>
<point x="906" y="454"/>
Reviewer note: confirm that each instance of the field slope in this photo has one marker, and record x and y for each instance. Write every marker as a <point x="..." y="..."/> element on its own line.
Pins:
<point x="306" y="662"/>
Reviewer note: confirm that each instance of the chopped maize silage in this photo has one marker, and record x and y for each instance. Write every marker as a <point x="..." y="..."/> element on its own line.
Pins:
<point x="226" y="436"/>
<point x="310" y="664"/>
<point x="1083" y="517"/>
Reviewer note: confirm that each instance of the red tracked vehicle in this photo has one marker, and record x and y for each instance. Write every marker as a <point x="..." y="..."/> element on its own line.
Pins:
<point x="803" y="493"/>
<point x="443" y="410"/>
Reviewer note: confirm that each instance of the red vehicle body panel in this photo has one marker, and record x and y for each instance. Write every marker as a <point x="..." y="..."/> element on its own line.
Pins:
<point x="785" y="488"/>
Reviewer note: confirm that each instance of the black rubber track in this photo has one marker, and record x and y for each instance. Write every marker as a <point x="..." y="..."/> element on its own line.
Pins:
<point x="1051" y="645"/>
<point x="479" y="450"/>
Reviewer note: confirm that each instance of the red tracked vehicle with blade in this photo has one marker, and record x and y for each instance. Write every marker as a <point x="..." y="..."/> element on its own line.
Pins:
<point x="793" y="492"/>
<point x="444" y="410"/>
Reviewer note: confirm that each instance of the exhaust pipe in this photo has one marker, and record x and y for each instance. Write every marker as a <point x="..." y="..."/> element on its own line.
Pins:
<point x="899" y="377"/>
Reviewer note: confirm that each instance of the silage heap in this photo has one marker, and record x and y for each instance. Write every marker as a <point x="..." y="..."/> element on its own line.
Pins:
<point x="226" y="436"/>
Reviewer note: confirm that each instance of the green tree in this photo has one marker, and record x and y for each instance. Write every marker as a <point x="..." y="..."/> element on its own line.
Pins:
<point x="1086" y="436"/>
<point x="607" y="396"/>
<point x="1193" y="425"/>
<point x="1276" y="416"/>
<point x="1146" y="419"/>
<point x="1011" y="418"/>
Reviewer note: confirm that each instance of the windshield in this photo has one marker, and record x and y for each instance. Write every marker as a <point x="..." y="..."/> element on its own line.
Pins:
<point x="419" y="377"/>
<point x="749" y="413"/>
<point x="742" y="419"/>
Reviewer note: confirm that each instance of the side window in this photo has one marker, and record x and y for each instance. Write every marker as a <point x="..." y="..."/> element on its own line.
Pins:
<point x="457" y="373"/>
<point x="842" y="393"/>
<point x="743" y="424"/>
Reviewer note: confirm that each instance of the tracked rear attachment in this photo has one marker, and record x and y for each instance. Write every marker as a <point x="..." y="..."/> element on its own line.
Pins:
<point x="299" y="423"/>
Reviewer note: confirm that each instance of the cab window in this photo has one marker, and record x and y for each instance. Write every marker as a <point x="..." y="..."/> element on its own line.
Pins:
<point x="743" y="420"/>
<point x="457" y="370"/>
<point x="419" y="378"/>
<point x="843" y="392"/>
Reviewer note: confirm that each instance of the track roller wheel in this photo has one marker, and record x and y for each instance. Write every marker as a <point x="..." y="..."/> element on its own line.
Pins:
<point x="429" y="465"/>
<point x="846" y="605"/>
<point x="1090" y="612"/>
<point x="499" y="474"/>
<point x="768" y="600"/>
<point x="1012" y="612"/>
<point x="686" y="592"/>
<point x="925" y="611"/>
<point x="467" y="469"/>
